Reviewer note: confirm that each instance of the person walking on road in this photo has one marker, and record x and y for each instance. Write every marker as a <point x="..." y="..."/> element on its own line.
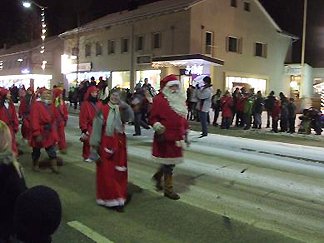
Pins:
<point x="168" y="118"/>
<point x="108" y="142"/>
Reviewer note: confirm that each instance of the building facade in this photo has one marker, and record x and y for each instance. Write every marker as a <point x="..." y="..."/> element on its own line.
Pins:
<point x="236" y="42"/>
<point x="24" y="64"/>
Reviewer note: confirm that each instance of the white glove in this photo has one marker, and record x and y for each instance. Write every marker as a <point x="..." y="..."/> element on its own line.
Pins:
<point x="159" y="128"/>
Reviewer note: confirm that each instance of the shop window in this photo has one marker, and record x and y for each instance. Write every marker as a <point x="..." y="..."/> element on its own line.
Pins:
<point x="260" y="49"/>
<point x="140" y="43"/>
<point x="75" y="51"/>
<point x="209" y="43"/>
<point x="247" y="6"/>
<point x="111" y="47"/>
<point x="234" y="3"/>
<point x="88" y="50"/>
<point x="234" y="44"/>
<point x="124" y="46"/>
<point x="98" y="49"/>
<point x="156" y="40"/>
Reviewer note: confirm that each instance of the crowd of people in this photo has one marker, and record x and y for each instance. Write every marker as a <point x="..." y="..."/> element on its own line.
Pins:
<point x="243" y="108"/>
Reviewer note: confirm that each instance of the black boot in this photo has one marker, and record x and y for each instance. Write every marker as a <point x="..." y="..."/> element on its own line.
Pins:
<point x="157" y="178"/>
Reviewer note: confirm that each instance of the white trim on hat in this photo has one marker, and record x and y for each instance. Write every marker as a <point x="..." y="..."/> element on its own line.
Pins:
<point x="173" y="82"/>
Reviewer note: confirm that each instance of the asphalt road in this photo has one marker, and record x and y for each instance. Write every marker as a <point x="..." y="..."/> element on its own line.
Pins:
<point x="228" y="194"/>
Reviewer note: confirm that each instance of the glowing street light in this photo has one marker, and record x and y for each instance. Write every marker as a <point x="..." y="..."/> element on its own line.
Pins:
<point x="27" y="4"/>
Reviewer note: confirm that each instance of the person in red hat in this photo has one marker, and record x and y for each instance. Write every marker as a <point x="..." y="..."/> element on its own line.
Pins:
<point x="9" y="116"/>
<point x="61" y="116"/>
<point x="168" y="118"/>
<point x="24" y="113"/>
<point x="43" y="130"/>
<point x="88" y="111"/>
<point x="108" y="140"/>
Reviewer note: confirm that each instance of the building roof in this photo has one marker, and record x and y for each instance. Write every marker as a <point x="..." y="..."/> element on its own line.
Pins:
<point x="186" y="59"/>
<point x="152" y="10"/>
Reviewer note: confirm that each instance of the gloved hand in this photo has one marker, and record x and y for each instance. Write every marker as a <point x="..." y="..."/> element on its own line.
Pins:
<point x="159" y="128"/>
<point x="84" y="136"/>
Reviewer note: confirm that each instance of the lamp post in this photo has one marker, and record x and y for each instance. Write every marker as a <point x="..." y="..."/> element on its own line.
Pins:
<point x="28" y="4"/>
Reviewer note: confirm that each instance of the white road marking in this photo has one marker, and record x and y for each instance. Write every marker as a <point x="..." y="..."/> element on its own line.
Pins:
<point x="96" y="237"/>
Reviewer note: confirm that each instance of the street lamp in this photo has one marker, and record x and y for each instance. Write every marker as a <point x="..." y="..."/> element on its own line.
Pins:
<point x="28" y="4"/>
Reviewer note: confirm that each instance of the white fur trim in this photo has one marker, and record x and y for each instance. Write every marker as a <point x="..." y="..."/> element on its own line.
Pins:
<point x="109" y="151"/>
<point x="173" y="82"/>
<point x="168" y="161"/>
<point x="121" y="168"/>
<point x="111" y="203"/>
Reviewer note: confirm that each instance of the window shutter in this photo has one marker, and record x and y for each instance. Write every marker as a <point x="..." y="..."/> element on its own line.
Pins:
<point x="240" y="46"/>
<point x="227" y="43"/>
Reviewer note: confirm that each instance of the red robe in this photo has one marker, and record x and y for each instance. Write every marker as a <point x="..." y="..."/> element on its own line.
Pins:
<point x="61" y="117"/>
<point x="87" y="114"/>
<point x="168" y="149"/>
<point x="112" y="170"/>
<point x="42" y="123"/>
<point x="9" y="116"/>
<point x="227" y="104"/>
<point x="24" y="114"/>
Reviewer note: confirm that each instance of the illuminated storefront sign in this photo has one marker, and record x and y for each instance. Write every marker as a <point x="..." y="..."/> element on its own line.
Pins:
<point x="195" y="69"/>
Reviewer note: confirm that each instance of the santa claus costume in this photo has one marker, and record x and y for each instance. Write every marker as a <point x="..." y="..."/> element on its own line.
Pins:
<point x="88" y="110"/>
<point x="61" y="116"/>
<point x="24" y="113"/>
<point x="43" y="129"/>
<point x="9" y="116"/>
<point x="168" y="118"/>
<point x="109" y="142"/>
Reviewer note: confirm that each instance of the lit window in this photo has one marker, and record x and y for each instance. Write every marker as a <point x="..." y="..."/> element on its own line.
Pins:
<point x="124" y="46"/>
<point x="234" y="44"/>
<point x="247" y="6"/>
<point x="260" y="49"/>
<point x="98" y="49"/>
<point x="140" y="43"/>
<point x="111" y="47"/>
<point x="88" y="50"/>
<point x="209" y="43"/>
<point x="156" y="41"/>
<point x="234" y="3"/>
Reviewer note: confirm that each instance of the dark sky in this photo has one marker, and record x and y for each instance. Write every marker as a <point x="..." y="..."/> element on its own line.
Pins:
<point x="16" y="22"/>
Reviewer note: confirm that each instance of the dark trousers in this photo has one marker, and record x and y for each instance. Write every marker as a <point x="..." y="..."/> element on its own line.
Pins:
<point x="283" y="124"/>
<point x="137" y="122"/>
<point x="247" y="121"/>
<point x="268" y="118"/>
<point x="226" y="122"/>
<point x="203" y="121"/>
<point x="239" y="119"/>
<point x="50" y="152"/>
<point x="291" y="122"/>
<point x="216" y="115"/>
<point x="275" y="124"/>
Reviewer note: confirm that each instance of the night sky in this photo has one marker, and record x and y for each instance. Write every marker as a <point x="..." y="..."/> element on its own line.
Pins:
<point x="16" y="22"/>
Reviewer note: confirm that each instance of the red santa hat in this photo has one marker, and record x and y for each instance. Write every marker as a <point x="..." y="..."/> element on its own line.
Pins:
<point x="3" y="92"/>
<point x="169" y="81"/>
<point x="89" y="91"/>
<point x="42" y="90"/>
<point x="57" y="93"/>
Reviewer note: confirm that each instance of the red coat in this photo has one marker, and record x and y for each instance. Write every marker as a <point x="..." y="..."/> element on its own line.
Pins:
<point x="9" y="116"/>
<point x="275" y="113"/>
<point x="240" y="104"/>
<point x="227" y="104"/>
<point x="60" y="114"/>
<point x="167" y="150"/>
<point x="42" y="123"/>
<point x="87" y="114"/>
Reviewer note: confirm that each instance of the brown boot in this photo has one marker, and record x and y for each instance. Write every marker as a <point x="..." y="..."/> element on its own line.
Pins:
<point x="168" y="187"/>
<point x="36" y="165"/>
<point x="54" y="166"/>
<point x="157" y="178"/>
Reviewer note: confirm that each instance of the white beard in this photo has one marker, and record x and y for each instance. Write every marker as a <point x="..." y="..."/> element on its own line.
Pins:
<point x="177" y="101"/>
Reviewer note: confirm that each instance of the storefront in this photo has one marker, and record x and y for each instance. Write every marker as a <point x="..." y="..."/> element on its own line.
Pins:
<point x="121" y="79"/>
<point x="153" y="76"/>
<point x="258" y="84"/>
<point x="28" y="80"/>
<point x="188" y="67"/>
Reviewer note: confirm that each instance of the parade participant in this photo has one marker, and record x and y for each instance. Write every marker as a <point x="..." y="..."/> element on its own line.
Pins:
<point x="109" y="141"/>
<point x="24" y="113"/>
<point x="9" y="116"/>
<point x="87" y="113"/>
<point x="60" y="112"/>
<point x="12" y="183"/>
<point x="168" y="118"/>
<point x="43" y="129"/>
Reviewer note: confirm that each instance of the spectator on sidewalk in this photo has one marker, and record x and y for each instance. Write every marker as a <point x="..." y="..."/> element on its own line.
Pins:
<point x="257" y="110"/>
<point x="227" y="110"/>
<point x="275" y="114"/>
<point x="291" y="115"/>
<point x="216" y="105"/>
<point x="283" y="112"/>
<point x="204" y="95"/>
<point x="191" y="102"/>
<point x="236" y="95"/>
<point x="248" y="108"/>
<point x="269" y="105"/>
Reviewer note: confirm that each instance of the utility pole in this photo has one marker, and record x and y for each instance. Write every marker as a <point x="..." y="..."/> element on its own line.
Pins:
<point x="303" y="84"/>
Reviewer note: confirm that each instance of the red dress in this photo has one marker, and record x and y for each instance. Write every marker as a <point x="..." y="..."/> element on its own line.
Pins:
<point x="167" y="148"/>
<point x="112" y="170"/>
<point x="42" y="123"/>
<point x="9" y="116"/>
<point x="61" y="117"/>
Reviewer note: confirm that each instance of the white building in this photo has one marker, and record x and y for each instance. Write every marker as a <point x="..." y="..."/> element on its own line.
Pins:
<point x="236" y="42"/>
<point x="23" y="64"/>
